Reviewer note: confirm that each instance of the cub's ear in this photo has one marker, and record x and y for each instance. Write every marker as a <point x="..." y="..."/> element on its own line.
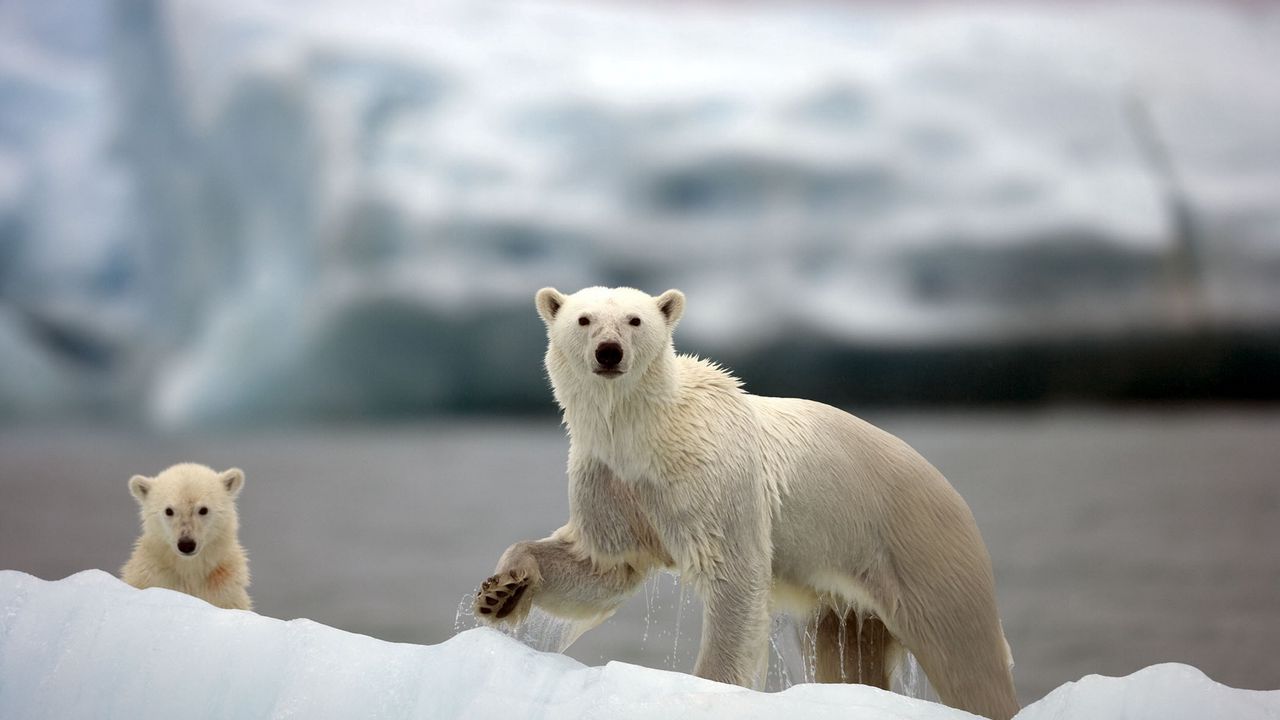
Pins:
<point x="671" y="303"/>
<point x="139" y="486"/>
<point x="549" y="301"/>
<point x="232" y="480"/>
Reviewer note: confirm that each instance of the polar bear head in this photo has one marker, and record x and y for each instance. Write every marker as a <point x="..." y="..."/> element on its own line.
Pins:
<point x="188" y="506"/>
<point x="603" y="334"/>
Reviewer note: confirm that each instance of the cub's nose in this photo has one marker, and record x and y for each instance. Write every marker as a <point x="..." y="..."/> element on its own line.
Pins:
<point x="609" y="354"/>
<point x="186" y="546"/>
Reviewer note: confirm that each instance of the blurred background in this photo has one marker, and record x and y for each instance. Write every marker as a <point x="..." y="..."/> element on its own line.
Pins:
<point x="1040" y="242"/>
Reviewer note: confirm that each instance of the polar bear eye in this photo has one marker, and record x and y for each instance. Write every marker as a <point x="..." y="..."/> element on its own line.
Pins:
<point x="583" y="320"/>
<point x="635" y="322"/>
<point x="168" y="511"/>
<point x="204" y="511"/>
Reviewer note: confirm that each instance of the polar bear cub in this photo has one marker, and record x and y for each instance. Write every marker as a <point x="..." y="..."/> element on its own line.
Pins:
<point x="761" y="503"/>
<point x="190" y="535"/>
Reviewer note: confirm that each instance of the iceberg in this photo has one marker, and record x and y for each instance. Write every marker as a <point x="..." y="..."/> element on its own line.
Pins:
<point x="89" y="646"/>
<point x="213" y="211"/>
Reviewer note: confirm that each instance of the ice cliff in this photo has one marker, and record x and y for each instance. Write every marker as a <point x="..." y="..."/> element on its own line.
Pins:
<point x="211" y="211"/>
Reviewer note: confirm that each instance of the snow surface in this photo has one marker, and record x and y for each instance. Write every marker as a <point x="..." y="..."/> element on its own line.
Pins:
<point x="89" y="646"/>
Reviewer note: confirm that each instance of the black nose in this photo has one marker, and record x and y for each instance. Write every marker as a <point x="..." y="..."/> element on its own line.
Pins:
<point x="609" y="354"/>
<point x="186" y="546"/>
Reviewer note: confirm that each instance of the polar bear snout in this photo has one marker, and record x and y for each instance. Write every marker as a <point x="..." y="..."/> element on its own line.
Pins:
<point x="186" y="546"/>
<point x="608" y="359"/>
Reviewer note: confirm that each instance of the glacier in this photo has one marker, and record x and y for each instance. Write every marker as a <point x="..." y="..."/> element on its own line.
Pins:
<point x="211" y="211"/>
<point x="89" y="646"/>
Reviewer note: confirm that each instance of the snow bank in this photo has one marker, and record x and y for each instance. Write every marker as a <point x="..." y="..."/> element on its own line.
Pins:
<point x="91" y="647"/>
<point x="1171" y="691"/>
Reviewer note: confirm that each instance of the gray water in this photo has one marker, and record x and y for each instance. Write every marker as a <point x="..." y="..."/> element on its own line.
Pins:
<point x="1120" y="538"/>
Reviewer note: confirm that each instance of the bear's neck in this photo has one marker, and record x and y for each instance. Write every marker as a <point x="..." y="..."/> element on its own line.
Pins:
<point x="600" y="403"/>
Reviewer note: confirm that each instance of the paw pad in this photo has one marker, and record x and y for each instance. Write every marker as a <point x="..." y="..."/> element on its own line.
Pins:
<point x="500" y="595"/>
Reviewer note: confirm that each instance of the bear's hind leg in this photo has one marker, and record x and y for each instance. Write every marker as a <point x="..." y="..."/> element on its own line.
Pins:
<point x="847" y="648"/>
<point x="965" y="658"/>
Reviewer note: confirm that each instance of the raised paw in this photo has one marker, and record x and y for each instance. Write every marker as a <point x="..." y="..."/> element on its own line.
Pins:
<point x="500" y="595"/>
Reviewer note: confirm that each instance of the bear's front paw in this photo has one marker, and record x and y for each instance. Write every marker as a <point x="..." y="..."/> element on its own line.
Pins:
<point x="504" y="596"/>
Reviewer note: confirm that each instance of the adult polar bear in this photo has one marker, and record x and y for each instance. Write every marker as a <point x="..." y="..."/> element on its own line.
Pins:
<point x="761" y="502"/>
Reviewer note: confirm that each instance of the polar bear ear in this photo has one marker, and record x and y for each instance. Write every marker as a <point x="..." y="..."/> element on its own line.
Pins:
<point x="139" y="486"/>
<point x="232" y="480"/>
<point x="671" y="304"/>
<point x="549" y="301"/>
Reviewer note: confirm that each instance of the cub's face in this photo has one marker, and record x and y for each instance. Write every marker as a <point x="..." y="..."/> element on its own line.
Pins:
<point x="609" y="333"/>
<point x="188" y="506"/>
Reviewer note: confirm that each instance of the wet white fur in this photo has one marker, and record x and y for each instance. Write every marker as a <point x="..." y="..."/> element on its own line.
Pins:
<point x="761" y="502"/>
<point x="218" y="572"/>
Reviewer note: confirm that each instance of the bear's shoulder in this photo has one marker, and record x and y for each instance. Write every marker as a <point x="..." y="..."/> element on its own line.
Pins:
<point x="698" y="374"/>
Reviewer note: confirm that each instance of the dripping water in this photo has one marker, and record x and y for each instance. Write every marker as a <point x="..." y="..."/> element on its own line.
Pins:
<point x="842" y="648"/>
<point x="540" y="630"/>
<point x="858" y="629"/>
<point x="910" y="680"/>
<point x="792" y="639"/>
<point x="650" y="589"/>
<point x="787" y="663"/>
<point x="675" y="645"/>
<point x="811" y="642"/>
<point x="464" y="618"/>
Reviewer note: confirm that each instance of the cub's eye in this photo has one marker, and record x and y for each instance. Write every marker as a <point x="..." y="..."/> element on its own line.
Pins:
<point x="583" y="320"/>
<point x="635" y="322"/>
<point x="204" y="511"/>
<point x="168" y="511"/>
